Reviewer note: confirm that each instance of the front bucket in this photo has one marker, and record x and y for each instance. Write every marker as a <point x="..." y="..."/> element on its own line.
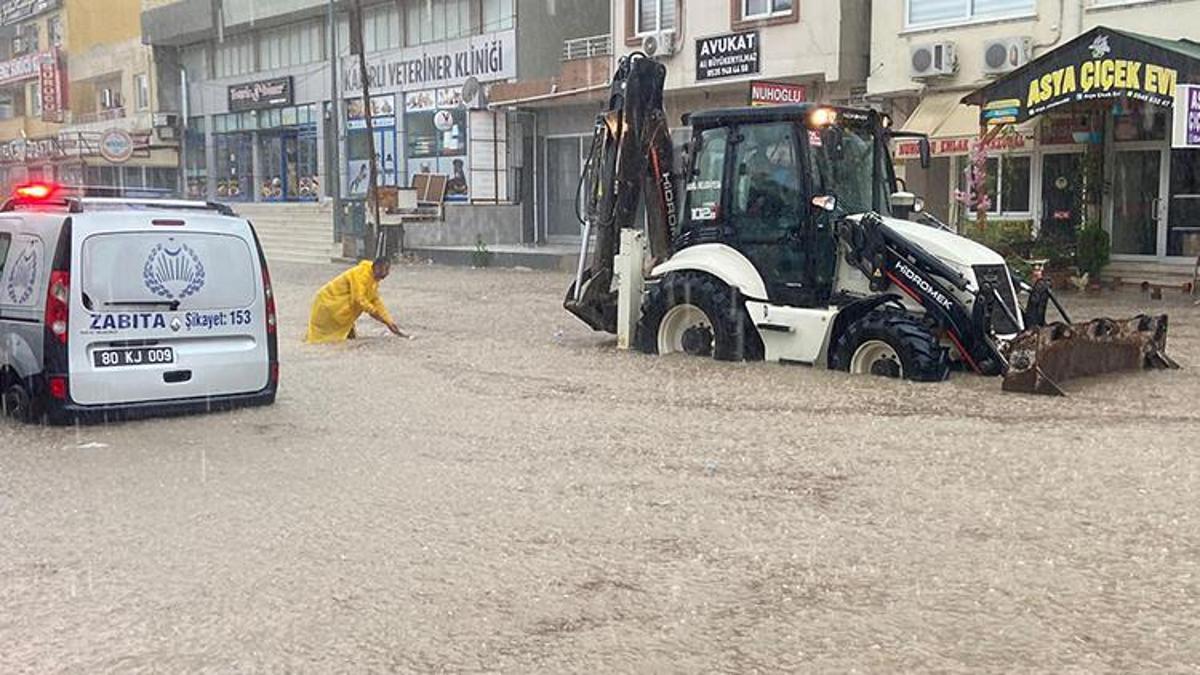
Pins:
<point x="596" y="304"/>
<point x="1041" y="358"/>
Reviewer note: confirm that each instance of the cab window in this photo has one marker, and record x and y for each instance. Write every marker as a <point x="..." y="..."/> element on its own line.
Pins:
<point x="766" y="196"/>
<point x="704" y="186"/>
<point x="847" y="162"/>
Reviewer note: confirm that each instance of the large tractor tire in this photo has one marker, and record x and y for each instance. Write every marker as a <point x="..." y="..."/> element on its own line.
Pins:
<point x="697" y="314"/>
<point x="891" y="344"/>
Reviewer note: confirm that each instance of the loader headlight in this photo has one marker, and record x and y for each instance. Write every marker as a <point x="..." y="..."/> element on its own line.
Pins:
<point x="822" y="117"/>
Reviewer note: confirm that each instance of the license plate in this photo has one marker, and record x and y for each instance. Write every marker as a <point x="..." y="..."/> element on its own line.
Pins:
<point x="137" y="356"/>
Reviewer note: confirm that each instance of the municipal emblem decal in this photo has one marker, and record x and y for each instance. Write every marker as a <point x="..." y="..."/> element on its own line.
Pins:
<point x="173" y="271"/>
<point x="1100" y="47"/>
<point x="23" y="276"/>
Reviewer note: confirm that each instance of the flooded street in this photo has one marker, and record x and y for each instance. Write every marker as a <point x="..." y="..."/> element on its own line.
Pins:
<point x="508" y="492"/>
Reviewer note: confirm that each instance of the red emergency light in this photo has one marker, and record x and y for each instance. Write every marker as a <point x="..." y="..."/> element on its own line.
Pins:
<point x="35" y="192"/>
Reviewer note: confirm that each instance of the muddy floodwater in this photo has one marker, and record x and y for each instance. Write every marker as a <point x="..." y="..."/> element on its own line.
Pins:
<point x="508" y="492"/>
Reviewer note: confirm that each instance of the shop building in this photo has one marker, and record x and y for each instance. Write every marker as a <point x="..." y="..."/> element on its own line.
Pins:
<point x="32" y="48"/>
<point x="253" y="95"/>
<point x="717" y="54"/>
<point x="85" y="129"/>
<point x="78" y="94"/>
<point x="1061" y="153"/>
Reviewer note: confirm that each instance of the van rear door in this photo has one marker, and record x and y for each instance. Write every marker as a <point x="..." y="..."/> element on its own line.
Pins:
<point x="169" y="307"/>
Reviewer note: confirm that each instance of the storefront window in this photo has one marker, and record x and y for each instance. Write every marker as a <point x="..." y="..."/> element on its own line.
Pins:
<point x="287" y="152"/>
<point x="195" y="161"/>
<point x="1183" y="233"/>
<point x="235" y="161"/>
<point x="162" y="178"/>
<point x="436" y="124"/>
<point x="1137" y="121"/>
<point x="1008" y="183"/>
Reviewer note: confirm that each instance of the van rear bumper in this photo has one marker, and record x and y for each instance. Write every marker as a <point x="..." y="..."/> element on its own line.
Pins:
<point x="61" y="413"/>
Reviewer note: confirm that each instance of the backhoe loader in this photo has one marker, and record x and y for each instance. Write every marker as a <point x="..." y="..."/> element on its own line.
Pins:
<point x="787" y="238"/>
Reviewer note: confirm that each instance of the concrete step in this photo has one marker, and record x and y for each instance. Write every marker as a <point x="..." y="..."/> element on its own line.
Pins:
<point x="305" y="238"/>
<point x="1155" y="274"/>
<point x="560" y="258"/>
<point x="294" y="256"/>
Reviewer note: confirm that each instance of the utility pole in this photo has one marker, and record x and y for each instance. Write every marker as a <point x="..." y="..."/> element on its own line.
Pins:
<point x="333" y="160"/>
<point x="356" y="44"/>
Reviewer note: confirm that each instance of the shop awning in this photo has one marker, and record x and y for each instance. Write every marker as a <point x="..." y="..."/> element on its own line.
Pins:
<point x="931" y="112"/>
<point x="1102" y="63"/>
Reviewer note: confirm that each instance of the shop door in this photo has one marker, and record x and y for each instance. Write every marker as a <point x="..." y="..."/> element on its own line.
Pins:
<point x="1062" y="196"/>
<point x="563" y="165"/>
<point x="1183" y="216"/>
<point x="1137" y="180"/>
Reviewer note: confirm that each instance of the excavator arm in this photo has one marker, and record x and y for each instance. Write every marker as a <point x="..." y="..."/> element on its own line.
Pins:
<point x="630" y="163"/>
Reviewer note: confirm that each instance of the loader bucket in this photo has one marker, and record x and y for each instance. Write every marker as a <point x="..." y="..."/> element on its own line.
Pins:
<point x="1040" y="359"/>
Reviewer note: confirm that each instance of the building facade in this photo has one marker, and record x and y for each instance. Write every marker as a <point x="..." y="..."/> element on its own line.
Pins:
<point x="265" y="83"/>
<point x="1093" y="157"/>
<point x="78" y="95"/>
<point x="717" y="52"/>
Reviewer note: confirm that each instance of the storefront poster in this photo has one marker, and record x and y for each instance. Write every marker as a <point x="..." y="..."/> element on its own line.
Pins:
<point x="1100" y="64"/>
<point x="271" y="93"/>
<point x="1187" y="117"/>
<point x="729" y="55"/>
<point x="487" y="57"/>
<point x="435" y="130"/>
<point x="383" y="112"/>
<point x="776" y="93"/>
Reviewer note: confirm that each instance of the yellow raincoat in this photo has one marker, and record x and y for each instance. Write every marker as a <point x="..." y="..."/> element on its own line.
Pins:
<point x="340" y="302"/>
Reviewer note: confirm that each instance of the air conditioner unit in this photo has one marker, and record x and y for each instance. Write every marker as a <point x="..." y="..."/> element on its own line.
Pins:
<point x="659" y="45"/>
<point x="933" y="60"/>
<point x="1005" y="55"/>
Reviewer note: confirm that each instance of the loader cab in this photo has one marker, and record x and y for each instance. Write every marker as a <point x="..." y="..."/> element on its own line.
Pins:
<point x="752" y="180"/>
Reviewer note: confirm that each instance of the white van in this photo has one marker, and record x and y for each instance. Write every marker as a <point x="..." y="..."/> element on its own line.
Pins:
<point x="117" y="308"/>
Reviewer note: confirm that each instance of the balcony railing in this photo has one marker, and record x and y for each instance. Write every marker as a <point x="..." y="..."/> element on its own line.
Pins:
<point x="99" y="116"/>
<point x="587" y="47"/>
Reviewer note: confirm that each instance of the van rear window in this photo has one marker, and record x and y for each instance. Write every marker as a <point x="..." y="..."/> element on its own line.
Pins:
<point x="197" y="270"/>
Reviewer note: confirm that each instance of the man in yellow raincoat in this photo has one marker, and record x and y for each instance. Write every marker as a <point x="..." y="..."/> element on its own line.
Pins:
<point x="340" y="302"/>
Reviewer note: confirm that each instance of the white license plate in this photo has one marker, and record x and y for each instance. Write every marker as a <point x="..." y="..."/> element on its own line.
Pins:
<point x="137" y="356"/>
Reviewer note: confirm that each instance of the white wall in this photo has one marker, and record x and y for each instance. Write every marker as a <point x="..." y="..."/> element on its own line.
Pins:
<point x="810" y="48"/>
<point x="1053" y="23"/>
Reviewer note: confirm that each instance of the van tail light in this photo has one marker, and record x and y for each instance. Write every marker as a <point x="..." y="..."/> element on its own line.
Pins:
<point x="58" y="388"/>
<point x="58" y="307"/>
<point x="269" y="294"/>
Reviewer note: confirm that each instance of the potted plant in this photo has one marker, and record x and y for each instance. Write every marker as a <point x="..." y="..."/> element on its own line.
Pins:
<point x="1093" y="252"/>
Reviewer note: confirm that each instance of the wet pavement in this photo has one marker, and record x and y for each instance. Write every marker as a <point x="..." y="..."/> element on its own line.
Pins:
<point x="507" y="492"/>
